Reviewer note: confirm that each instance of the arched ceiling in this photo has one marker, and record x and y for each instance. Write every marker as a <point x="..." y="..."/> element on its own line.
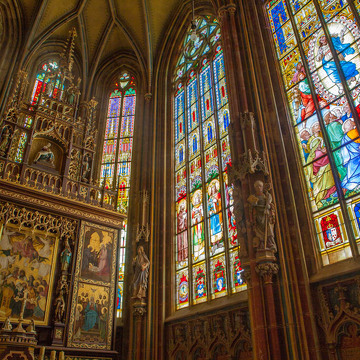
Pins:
<point x="104" y="27"/>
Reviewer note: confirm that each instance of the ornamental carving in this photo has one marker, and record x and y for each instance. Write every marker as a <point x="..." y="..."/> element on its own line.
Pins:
<point x="226" y="333"/>
<point x="267" y="271"/>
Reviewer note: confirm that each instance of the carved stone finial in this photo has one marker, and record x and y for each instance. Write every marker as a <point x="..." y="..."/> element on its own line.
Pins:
<point x="267" y="270"/>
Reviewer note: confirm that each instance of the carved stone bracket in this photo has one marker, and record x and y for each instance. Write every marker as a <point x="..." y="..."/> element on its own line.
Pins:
<point x="139" y="310"/>
<point x="148" y="97"/>
<point x="267" y="271"/>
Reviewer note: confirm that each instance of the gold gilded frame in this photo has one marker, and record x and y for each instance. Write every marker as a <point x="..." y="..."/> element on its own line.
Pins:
<point x="81" y="282"/>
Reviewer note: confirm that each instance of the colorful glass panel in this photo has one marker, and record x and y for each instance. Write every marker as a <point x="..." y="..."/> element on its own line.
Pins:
<point x="328" y="140"/>
<point x="21" y="148"/>
<point x="211" y="223"/>
<point x="218" y="274"/>
<point x="237" y="280"/>
<point x="200" y="288"/>
<point x="182" y="286"/>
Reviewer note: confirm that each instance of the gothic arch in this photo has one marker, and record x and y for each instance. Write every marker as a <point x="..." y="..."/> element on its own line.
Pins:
<point x="11" y="33"/>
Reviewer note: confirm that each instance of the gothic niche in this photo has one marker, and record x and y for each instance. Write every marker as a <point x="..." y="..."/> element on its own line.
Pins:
<point x="349" y="341"/>
<point x="46" y="155"/>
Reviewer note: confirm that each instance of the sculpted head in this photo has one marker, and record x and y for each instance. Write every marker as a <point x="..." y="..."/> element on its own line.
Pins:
<point x="259" y="187"/>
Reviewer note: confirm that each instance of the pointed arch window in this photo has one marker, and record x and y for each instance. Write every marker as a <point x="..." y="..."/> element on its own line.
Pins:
<point x="206" y="246"/>
<point x="117" y="154"/>
<point x="317" y="45"/>
<point x="48" y="81"/>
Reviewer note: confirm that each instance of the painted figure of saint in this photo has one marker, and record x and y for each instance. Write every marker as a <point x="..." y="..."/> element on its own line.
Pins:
<point x="182" y="243"/>
<point x="196" y="220"/>
<point x="350" y="154"/>
<point x="214" y="206"/>
<point x="343" y="49"/>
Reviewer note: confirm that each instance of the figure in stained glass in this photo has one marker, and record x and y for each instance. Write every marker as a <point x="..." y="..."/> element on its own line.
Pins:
<point x="197" y="230"/>
<point x="302" y="99"/>
<point x="343" y="49"/>
<point x="182" y="244"/>
<point x="200" y="284"/>
<point x="350" y="154"/>
<point x="214" y="206"/>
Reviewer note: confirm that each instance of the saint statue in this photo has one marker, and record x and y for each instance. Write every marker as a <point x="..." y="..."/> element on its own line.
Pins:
<point x="65" y="257"/>
<point x="5" y="141"/>
<point x="262" y="218"/>
<point x="141" y="265"/>
<point x="45" y="156"/>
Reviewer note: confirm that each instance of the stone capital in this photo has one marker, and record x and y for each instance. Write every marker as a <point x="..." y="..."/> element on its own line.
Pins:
<point x="267" y="270"/>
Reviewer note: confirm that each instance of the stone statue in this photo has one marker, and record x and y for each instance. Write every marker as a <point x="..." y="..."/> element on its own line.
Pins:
<point x="141" y="265"/>
<point x="86" y="168"/>
<point x="262" y="218"/>
<point x="7" y="324"/>
<point x="60" y="307"/>
<point x="65" y="256"/>
<point x="45" y="156"/>
<point x="5" y="140"/>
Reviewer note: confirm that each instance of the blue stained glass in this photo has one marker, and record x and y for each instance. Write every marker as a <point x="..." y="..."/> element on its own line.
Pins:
<point x="205" y="80"/>
<point x="179" y="104"/>
<point x="111" y="128"/>
<point x="129" y="105"/>
<point x="192" y="95"/>
<point x="193" y="116"/>
<point x="194" y="143"/>
<point x="114" y="107"/>
<point x="209" y="132"/>
<point x="127" y="126"/>
<point x="207" y="107"/>
<point x="219" y="68"/>
<point x="221" y="93"/>
<point x="278" y="14"/>
<point x="357" y="213"/>
<point x="180" y="127"/>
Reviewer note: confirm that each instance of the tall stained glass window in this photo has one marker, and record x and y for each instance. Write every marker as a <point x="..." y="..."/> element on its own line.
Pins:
<point x="317" y="45"/>
<point x="116" y="158"/>
<point x="206" y="245"/>
<point x="48" y="81"/>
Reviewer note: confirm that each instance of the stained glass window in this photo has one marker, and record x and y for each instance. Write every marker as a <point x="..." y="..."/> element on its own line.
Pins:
<point x="116" y="156"/>
<point x="206" y="246"/>
<point x="317" y="46"/>
<point x="48" y="81"/>
<point x="21" y="147"/>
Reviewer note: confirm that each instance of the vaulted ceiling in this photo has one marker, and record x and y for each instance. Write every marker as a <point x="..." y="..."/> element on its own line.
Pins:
<point x="105" y="27"/>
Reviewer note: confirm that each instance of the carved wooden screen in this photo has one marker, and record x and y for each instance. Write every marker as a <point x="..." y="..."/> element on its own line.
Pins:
<point x="317" y="46"/>
<point x="117" y="154"/>
<point x="206" y="245"/>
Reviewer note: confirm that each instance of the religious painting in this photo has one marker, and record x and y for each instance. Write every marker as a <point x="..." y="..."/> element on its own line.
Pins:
<point x="349" y="341"/>
<point x="97" y="253"/>
<point x="93" y="307"/>
<point x="27" y="265"/>
<point x="95" y="280"/>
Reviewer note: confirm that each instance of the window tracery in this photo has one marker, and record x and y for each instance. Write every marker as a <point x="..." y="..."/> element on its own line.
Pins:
<point x="206" y="245"/>
<point x="117" y="155"/>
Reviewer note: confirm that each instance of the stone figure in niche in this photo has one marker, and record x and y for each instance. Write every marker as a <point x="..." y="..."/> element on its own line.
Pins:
<point x="86" y="168"/>
<point x="262" y="218"/>
<point x="65" y="256"/>
<point x="45" y="156"/>
<point x="5" y="140"/>
<point x="60" y="307"/>
<point x="141" y="265"/>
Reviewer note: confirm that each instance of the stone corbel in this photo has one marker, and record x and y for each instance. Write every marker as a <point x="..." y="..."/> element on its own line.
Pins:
<point x="267" y="270"/>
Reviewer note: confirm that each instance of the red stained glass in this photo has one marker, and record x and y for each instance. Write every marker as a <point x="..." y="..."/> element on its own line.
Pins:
<point x="331" y="231"/>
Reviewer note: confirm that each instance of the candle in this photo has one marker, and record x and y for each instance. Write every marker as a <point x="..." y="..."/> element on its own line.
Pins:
<point x="42" y="353"/>
<point x="53" y="355"/>
<point x="62" y="355"/>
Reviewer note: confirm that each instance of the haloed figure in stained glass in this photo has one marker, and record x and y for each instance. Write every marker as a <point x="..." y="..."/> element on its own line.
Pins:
<point x="214" y="206"/>
<point x="324" y="54"/>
